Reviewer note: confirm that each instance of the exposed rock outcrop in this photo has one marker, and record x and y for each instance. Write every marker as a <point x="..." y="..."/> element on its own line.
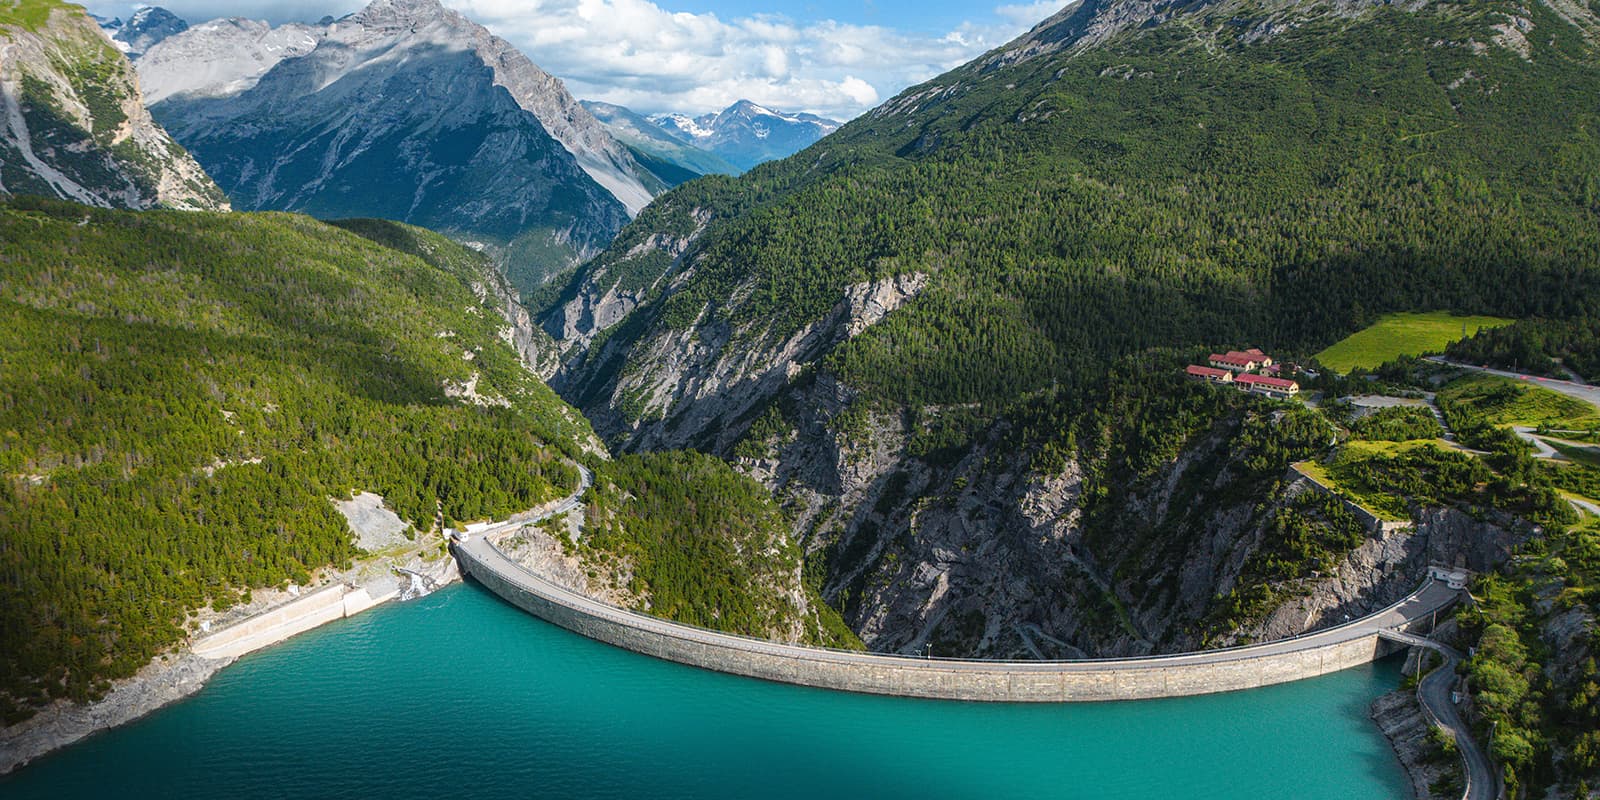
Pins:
<point x="1400" y="717"/>
<point x="405" y="110"/>
<point x="73" y="124"/>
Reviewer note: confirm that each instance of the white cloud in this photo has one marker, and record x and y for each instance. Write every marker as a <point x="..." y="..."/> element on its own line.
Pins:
<point x="1029" y="14"/>
<point x="638" y="54"/>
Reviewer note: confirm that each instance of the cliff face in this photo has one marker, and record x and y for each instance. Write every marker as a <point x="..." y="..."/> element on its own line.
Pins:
<point x="972" y="544"/>
<point x="73" y="124"/>
<point x="405" y="110"/>
<point x="873" y="327"/>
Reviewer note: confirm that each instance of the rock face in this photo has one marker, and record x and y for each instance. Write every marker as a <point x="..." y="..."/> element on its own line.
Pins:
<point x="405" y="111"/>
<point x="73" y="124"/>
<point x="746" y="134"/>
<point x="220" y="58"/>
<point x="146" y="28"/>
<point x="1400" y="717"/>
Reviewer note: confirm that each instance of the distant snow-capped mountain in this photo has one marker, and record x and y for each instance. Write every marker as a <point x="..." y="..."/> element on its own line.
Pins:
<point x="143" y="30"/>
<point x="405" y="110"/>
<point x="747" y="134"/>
<point x="670" y="158"/>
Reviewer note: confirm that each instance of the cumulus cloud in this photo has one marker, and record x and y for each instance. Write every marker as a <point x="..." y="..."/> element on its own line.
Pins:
<point x="638" y="54"/>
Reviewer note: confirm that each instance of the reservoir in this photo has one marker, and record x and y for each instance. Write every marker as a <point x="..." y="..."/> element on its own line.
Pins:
<point x="459" y="694"/>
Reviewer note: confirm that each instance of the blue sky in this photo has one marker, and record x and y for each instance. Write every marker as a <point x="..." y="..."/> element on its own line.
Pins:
<point x="833" y="57"/>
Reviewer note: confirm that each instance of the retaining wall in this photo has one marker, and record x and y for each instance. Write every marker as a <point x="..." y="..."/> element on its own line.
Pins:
<point x="1016" y="681"/>
<point x="1373" y="522"/>
<point x="296" y="616"/>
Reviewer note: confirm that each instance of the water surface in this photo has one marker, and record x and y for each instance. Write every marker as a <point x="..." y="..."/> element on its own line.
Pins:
<point x="460" y="695"/>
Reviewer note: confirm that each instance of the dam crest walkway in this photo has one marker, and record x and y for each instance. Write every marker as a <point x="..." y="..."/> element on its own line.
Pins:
<point x="1320" y="652"/>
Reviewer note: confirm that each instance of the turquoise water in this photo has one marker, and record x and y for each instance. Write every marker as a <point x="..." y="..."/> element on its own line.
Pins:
<point x="459" y="695"/>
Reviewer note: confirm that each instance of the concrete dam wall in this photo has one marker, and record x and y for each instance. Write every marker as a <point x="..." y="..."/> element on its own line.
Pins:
<point x="298" y="616"/>
<point x="1225" y="670"/>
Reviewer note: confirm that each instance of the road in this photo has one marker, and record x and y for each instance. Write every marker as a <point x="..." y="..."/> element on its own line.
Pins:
<point x="1584" y="392"/>
<point x="569" y="503"/>
<point x="1434" y="691"/>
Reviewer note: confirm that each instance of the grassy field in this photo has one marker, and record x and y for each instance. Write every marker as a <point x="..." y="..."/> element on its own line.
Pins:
<point x="1385" y="507"/>
<point x="1363" y="448"/>
<point x="1502" y="401"/>
<point x="1402" y="334"/>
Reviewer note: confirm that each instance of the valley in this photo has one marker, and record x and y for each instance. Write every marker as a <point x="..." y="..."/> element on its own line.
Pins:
<point x="922" y="383"/>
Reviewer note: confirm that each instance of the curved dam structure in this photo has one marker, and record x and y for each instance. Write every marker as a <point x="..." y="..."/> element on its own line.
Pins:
<point x="1319" y="653"/>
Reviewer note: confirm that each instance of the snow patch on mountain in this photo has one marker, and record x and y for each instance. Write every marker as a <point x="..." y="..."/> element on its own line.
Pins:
<point x="746" y="133"/>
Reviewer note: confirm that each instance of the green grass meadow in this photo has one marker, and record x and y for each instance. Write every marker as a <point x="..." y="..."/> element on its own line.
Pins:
<point x="1402" y="334"/>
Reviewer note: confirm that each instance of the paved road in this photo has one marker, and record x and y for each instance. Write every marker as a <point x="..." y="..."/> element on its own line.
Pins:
<point x="1541" y="448"/>
<point x="1584" y="392"/>
<point x="1435" y="693"/>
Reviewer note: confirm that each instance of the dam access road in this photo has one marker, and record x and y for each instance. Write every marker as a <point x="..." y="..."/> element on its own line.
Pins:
<point x="1318" y="653"/>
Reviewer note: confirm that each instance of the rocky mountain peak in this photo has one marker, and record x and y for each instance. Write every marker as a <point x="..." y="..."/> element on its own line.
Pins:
<point x="73" y="123"/>
<point x="747" y="133"/>
<point x="404" y="13"/>
<point x="146" y="28"/>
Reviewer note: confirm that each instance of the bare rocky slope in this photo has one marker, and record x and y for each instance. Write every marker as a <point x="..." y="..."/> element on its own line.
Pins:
<point x="1081" y="500"/>
<point x="405" y="110"/>
<point x="73" y="124"/>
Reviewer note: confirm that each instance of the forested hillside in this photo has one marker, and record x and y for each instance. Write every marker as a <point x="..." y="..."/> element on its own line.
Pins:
<point x="1222" y="176"/>
<point x="949" y="336"/>
<point x="181" y="394"/>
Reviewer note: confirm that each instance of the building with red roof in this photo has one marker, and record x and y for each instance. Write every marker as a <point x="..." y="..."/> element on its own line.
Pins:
<point x="1208" y="374"/>
<point x="1241" y="360"/>
<point x="1273" y="387"/>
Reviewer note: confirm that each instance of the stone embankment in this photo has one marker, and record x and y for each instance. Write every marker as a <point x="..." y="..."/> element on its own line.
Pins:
<point x="1334" y="649"/>
<point x="273" y="618"/>
<point x="297" y="616"/>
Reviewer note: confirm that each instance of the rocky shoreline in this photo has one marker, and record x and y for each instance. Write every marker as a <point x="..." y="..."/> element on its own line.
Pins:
<point x="179" y="672"/>
<point x="1434" y="774"/>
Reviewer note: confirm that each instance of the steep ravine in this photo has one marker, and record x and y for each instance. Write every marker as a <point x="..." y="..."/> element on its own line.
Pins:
<point x="968" y="547"/>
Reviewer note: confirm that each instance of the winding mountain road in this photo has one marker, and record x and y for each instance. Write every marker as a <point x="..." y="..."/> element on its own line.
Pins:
<point x="1436" y="693"/>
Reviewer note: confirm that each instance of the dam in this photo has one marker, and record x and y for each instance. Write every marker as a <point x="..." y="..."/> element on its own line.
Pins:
<point x="1356" y="642"/>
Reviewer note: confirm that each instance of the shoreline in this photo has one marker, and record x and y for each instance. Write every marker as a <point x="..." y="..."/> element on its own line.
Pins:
<point x="182" y="671"/>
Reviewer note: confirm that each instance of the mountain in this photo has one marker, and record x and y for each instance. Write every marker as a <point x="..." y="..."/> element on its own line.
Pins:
<point x="221" y="58"/>
<point x="73" y="123"/>
<point x="953" y="339"/>
<point x="187" y="392"/>
<point x="747" y="134"/>
<point x="406" y="111"/>
<point x="669" y="158"/>
<point x="144" y="29"/>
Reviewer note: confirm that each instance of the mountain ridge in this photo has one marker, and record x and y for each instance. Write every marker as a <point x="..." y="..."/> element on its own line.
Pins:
<point x="746" y="133"/>
<point x="681" y="160"/>
<point x="74" y="124"/>
<point x="404" y="110"/>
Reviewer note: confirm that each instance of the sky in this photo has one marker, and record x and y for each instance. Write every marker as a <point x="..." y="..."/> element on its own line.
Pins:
<point x="837" y="58"/>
